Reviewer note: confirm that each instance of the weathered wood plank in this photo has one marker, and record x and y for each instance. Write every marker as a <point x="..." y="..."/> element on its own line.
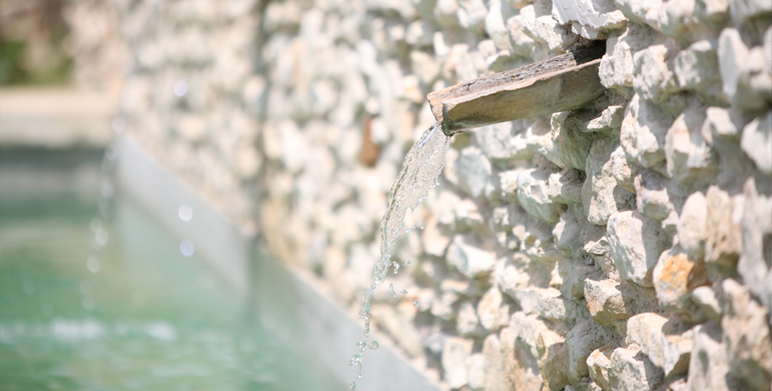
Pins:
<point x="561" y="83"/>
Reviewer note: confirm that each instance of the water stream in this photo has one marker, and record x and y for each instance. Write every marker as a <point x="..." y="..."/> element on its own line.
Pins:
<point x="422" y="166"/>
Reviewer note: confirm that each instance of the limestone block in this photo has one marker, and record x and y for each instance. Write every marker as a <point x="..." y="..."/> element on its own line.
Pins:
<point x="706" y="299"/>
<point x="602" y="196"/>
<point x="743" y="10"/>
<point x="754" y="264"/>
<point x="681" y="20"/>
<point x="498" y="13"/>
<point x="643" y="132"/>
<point x="653" y="79"/>
<point x="746" y="337"/>
<point x="570" y="145"/>
<point x="692" y="228"/>
<point x="723" y="240"/>
<point x="471" y="15"/>
<point x="590" y="19"/>
<point x="533" y="194"/>
<point x="598" y="363"/>
<point x="675" y="277"/>
<point x="688" y="156"/>
<point x="708" y="367"/>
<point x="474" y="172"/>
<point x="742" y="70"/>
<point x="661" y="342"/>
<point x="767" y="50"/>
<point x="722" y="123"/>
<point x="547" y="303"/>
<point x="696" y="69"/>
<point x="433" y="240"/>
<point x="623" y="170"/>
<point x="582" y="340"/>
<point x="476" y="366"/>
<point x="455" y="353"/>
<point x="569" y="184"/>
<point x="713" y="11"/>
<point x="610" y="118"/>
<point x="568" y="230"/>
<point x="642" y="11"/>
<point x="493" y="315"/>
<point x="509" y="277"/>
<point x="468" y="323"/>
<point x="756" y="141"/>
<point x="495" y="366"/>
<point x="630" y="370"/>
<point x="521" y="44"/>
<point x="636" y="243"/>
<point x="606" y="301"/>
<point x="497" y="141"/>
<point x="420" y="33"/>
<point x="424" y="66"/>
<point x="540" y="344"/>
<point x="469" y="257"/>
<point x="539" y="24"/>
<point x="653" y="195"/>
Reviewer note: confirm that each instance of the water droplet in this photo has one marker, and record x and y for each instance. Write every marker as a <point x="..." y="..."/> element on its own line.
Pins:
<point x="407" y="262"/>
<point x="100" y="239"/>
<point x="92" y="264"/>
<point x="185" y="212"/>
<point x="416" y="304"/>
<point x="404" y="291"/>
<point x="187" y="248"/>
<point x="180" y="88"/>
<point x="396" y="267"/>
<point x="374" y="345"/>
<point x="393" y="294"/>
<point x="353" y="386"/>
<point x="360" y="375"/>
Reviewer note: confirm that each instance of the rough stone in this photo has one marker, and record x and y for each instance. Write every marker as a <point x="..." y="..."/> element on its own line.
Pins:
<point x="602" y="196"/>
<point x="696" y="69"/>
<point x="455" y="353"/>
<point x="469" y="258"/>
<point x="493" y="315"/>
<point x="755" y="264"/>
<point x="692" y="228"/>
<point x="590" y="19"/>
<point x="535" y="343"/>
<point x="623" y="170"/>
<point x="468" y="323"/>
<point x="629" y="370"/>
<point x="547" y="303"/>
<point x="584" y="338"/>
<point x="708" y="367"/>
<point x="742" y="72"/>
<point x="616" y="67"/>
<point x="606" y="301"/>
<point x="743" y="10"/>
<point x="688" y="156"/>
<point x="610" y="118"/>
<point x="723" y="240"/>
<point x="643" y="12"/>
<point x="598" y="363"/>
<point x="661" y="341"/>
<point x="534" y="195"/>
<point x="653" y="195"/>
<point x="643" y="132"/>
<point x="746" y="337"/>
<point x="542" y="27"/>
<point x="474" y="172"/>
<point x="675" y="277"/>
<point x="636" y="243"/>
<point x="653" y="78"/>
<point x="476" y="365"/>
<point x="706" y="299"/>
<point x="757" y="142"/>
<point x="495" y="369"/>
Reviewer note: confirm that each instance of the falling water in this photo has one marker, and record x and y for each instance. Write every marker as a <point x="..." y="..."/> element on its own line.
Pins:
<point x="423" y="164"/>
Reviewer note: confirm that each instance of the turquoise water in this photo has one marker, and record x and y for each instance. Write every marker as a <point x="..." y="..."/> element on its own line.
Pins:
<point x="78" y="312"/>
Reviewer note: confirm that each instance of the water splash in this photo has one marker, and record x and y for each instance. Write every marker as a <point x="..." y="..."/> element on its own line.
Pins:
<point x="422" y="166"/>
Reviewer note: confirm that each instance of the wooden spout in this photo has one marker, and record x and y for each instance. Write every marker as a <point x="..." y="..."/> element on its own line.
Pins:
<point x="562" y="83"/>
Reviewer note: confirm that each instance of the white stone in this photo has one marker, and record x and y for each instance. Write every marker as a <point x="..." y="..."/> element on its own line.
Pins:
<point x="661" y="342"/>
<point x="521" y="44"/>
<point x="742" y="70"/>
<point x="643" y="132"/>
<point x="631" y="371"/>
<point x="493" y="315"/>
<point x="424" y="66"/>
<point x="653" y="79"/>
<point x="476" y="365"/>
<point x="743" y="10"/>
<point x="590" y="19"/>
<point x="696" y="69"/>
<point x="495" y="365"/>
<point x="467" y="322"/>
<point x="602" y="196"/>
<point x="754" y="264"/>
<point x="598" y="363"/>
<point x="542" y="27"/>
<point x="474" y="172"/>
<point x="687" y="153"/>
<point x="534" y="195"/>
<point x="756" y="141"/>
<point x="692" y="229"/>
<point x="623" y="170"/>
<point x="547" y="303"/>
<point x="581" y="341"/>
<point x="468" y="258"/>
<point x="636" y="243"/>
<point x="499" y="12"/>
<point x="471" y="15"/>
<point x="455" y="353"/>
<point x="616" y="66"/>
<point x="642" y="11"/>
<point x="606" y="301"/>
<point x="708" y="367"/>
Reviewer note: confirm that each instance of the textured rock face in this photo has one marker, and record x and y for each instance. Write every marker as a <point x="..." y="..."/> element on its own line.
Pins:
<point x="557" y="251"/>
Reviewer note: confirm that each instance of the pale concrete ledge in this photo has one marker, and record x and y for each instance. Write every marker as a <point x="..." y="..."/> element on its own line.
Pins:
<point x="292" y="303"/>
<point x="56" y="117"/>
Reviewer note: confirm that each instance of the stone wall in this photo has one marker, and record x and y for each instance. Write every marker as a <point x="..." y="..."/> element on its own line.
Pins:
<point x="626" y="245"/>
